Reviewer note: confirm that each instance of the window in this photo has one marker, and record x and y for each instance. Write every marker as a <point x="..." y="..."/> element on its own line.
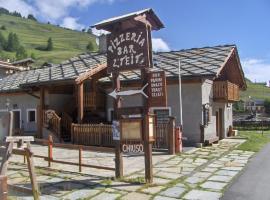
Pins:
<point x="162" y="115"/>
<point x="31" y="115"/>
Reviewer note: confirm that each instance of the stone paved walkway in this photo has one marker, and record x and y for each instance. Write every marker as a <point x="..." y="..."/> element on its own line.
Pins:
<point x="198" y="174"/>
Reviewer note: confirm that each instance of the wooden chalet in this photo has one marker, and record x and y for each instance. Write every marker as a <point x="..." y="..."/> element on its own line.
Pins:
<point x="70" y="99"/>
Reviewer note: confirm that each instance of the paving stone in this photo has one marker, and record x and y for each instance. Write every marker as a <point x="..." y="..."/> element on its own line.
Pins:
<point x="215" y="165"/>
<point x="202" y="195"/>
<point x="54" y="180"/>
<point x="213" y="185"/>
<point x="81" y="194"/>
<point x="220" y="178"/>
<point x="152" y="190"/>
<point x="173" y="192"/>
<point x="232" y="168"/>
<point x="161" y="181"/>
<point x="194" y="180"/>
<point x="209" y="169"/>
<point x="202" y="174"/>
<point x="106" y="196"/>
<point x="226" y="173"/>
<point x="168" y="175"/>
<point x="164" y="198"/>
<point x="136" y="196"/>
<point x="125" y="186"/>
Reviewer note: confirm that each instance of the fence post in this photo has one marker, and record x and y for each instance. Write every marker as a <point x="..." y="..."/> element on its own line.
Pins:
<point x="171" y="136"/>
<point x="50" y="156"/>
<point x="3" y="188"/>
<point x="178" y="140"/>
<point x="80" y="158"/>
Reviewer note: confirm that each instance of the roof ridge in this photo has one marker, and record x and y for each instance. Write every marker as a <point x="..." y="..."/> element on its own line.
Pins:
<point x="204" y="47"/>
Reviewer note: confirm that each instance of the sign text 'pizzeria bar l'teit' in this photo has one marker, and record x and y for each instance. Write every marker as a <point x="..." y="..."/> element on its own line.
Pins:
<point x="127" y="50"/>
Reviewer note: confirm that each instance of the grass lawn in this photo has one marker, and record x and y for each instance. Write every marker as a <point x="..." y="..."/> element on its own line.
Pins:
<point x="255" y="140"/>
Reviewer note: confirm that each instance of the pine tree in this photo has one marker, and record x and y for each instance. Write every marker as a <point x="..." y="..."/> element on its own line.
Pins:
<point x="10" y="41"/>
<point x="13" y="43"/>
<point x="30" y="16"/>
<point x="90" y="46"/>
<point x="21" y="53"/>
<point x="3" y="42"/>
<point x="49" y="44"/>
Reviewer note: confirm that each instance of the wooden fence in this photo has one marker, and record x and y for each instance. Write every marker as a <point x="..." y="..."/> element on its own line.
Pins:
<point x="50" y="158"/>
<point x="161" y="137"/>
<point x="101" y="135"/>
<point x="251" y="125"/>
<point x="92" y="134"/>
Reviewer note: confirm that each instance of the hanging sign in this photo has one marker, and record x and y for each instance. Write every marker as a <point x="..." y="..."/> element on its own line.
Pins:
<point x="127" y="50"/>
<point x="157" y="91"/>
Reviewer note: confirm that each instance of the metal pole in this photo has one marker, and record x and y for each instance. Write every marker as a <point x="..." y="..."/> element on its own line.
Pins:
<point x="180" y="94"/>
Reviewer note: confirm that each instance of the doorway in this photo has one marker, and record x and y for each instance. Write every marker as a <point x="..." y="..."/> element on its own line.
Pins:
<point x="219" y="123"/>
<point x="16" y="119"/>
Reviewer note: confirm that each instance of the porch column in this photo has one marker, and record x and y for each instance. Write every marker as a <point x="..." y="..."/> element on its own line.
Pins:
<point x="80" y="102"/>
<point x="41" y="111"/>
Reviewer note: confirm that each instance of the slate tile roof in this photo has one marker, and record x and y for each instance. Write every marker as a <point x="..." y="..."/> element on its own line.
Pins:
<point x="204" y="61"/>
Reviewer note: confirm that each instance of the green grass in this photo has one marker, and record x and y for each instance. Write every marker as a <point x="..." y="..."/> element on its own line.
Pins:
<point x="67" y="43"/>
<point x="255" y="91"/>
<point x="255" y="140"/>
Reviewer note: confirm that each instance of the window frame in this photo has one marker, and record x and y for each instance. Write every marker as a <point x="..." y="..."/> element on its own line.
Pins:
<point x="28" y="115"/>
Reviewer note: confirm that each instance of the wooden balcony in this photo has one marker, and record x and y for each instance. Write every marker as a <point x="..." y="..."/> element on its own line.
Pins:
<point x="93" y="100"/>
<point x="225" y="91"/>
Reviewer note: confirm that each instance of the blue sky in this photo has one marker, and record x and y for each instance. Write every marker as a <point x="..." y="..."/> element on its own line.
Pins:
<point x="188" y="23"/>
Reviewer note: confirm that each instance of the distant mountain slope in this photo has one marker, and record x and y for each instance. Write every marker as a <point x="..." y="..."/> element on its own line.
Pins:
<point x="32" y="34"/>
<point x="255" y="91"/>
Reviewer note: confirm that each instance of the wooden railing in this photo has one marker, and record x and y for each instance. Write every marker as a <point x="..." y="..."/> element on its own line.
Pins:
<point x="53" y="122"/>
<point x="93" y="100"/>
<point x="92" y="134"/>
<point x="225" y="91"/>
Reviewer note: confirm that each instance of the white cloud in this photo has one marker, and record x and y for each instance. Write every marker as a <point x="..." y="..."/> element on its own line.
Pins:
<point x="56" y="9"/>
<point x="72" y="23"/>
<point x="256" y="69"/>
<point x="19" y="6"/>
<point x="159" y="44"/>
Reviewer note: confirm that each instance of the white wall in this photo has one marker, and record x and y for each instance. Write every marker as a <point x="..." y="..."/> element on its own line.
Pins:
<point x="21" y="102"/>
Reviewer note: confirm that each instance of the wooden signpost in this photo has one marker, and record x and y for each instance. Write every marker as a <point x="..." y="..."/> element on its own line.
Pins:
<point x="129" y="47"/>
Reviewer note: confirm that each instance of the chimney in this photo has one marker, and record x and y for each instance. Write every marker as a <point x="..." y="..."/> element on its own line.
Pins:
<point x="102" y="42"/>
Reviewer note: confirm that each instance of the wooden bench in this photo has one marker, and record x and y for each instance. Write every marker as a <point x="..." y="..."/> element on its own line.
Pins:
<point x="211" y="140"/>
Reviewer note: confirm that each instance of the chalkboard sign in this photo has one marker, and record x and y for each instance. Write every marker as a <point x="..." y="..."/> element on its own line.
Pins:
<point x="157" y="92"/>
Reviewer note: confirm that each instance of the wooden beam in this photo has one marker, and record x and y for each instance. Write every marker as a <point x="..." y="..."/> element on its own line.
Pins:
<point x="41" y="108"/>
<point x="80" y="102"/>
<point x="89" y="73"/>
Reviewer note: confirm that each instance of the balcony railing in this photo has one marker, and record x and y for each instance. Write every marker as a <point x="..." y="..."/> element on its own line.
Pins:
<point x="225" y="91"/>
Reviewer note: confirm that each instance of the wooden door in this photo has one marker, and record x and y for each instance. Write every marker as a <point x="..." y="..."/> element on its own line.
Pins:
<point x="219" y="123"/>
<point x="16" y="119"/>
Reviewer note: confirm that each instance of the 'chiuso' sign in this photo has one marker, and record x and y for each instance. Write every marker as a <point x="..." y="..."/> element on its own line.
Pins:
<point x="127" y="50"/>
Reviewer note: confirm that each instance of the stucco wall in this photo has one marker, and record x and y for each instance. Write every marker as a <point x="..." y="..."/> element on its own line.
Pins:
<point x="21" y="103"/>
<point x="191" y="104"/>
